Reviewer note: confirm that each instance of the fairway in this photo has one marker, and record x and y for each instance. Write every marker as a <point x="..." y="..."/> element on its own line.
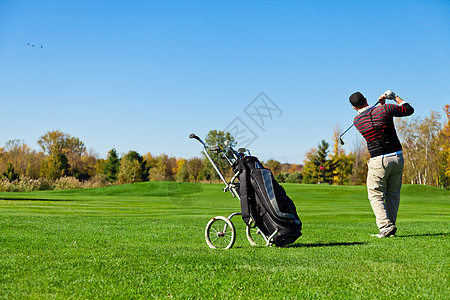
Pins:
<point x="146" y="240"/>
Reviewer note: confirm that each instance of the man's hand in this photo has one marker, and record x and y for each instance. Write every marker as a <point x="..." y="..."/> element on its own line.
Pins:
<point x="390" y="95"/>
<point x="382" y="99"/>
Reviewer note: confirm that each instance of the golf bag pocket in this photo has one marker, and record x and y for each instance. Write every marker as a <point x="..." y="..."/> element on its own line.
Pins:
<point x="273" y="196"/>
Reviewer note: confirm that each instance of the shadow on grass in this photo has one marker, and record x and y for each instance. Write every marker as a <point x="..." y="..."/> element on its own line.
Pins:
<point x="31" y="199"/>
<point x="299" y="245"/>
<point x="424" y="234"/>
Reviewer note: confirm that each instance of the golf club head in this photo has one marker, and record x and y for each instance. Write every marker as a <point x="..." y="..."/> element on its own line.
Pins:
<point x="216" y="148"/>
<point x="341" y="141"/>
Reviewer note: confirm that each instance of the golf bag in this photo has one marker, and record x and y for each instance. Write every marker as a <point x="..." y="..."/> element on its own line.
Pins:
<point x="264" y="201"/>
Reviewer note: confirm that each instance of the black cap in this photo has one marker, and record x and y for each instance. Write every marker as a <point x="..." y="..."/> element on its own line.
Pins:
<point x="357" y="99"/>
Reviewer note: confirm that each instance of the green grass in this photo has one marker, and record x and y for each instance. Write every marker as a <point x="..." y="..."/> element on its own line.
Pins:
<point x="147" y="241"/>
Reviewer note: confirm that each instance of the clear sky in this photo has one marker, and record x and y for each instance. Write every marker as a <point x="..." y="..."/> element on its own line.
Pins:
<point x="143" y="75"/>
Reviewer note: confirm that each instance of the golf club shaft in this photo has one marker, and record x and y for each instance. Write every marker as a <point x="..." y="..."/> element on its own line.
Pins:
<point x="354" y="123"/>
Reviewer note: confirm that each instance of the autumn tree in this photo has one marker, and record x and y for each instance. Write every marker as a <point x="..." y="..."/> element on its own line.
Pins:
<point x="58" y="142"/>
<point x="64" y="151"/>
<point x="171" y="168"/>
<point x="181" y="174"/>
<point x="276" y="168"/>
<point x="309" y="169"/>
<point x="444" y="151"/>
<point x="26" y="162"/>
<point x="194" y="167"/>
<point x="360" y="156"/>
<point x="343" y="163"/>
<point x="54" y="166"/>
<point x="161" y="167"/>
<point x="191" y="170"/>
<point x="88" y="164"/>
<point x="273" y="165"/>
<point x="131" y="168"/>
<point x="420" y="140"/>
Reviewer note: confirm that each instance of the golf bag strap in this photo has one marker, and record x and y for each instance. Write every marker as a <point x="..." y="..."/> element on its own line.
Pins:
<point x="243" y="181"/>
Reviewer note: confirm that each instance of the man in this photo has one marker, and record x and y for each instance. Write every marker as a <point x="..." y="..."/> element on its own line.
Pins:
<point x="384" y="178"/>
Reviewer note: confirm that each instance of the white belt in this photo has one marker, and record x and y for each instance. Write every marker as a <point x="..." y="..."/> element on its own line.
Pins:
<point x="390" y="154"/>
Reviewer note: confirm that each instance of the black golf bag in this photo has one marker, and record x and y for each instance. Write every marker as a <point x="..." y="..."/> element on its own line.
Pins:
<point x="264" y="201"/>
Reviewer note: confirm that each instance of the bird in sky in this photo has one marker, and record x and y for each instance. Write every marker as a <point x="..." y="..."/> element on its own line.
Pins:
<point x="33" y="45"/>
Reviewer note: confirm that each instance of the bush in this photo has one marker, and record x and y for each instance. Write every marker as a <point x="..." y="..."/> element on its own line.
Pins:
<point x="6" y="186"/>
<point x="68" y="183"/>
<point x="99" y="180"/>
<point x="45" y="184"/>
<point x="295" y="177"/>
<point x="26" y="184"/>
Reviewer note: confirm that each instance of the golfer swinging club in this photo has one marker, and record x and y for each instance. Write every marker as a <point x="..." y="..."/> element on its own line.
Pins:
<point x="384" y="178"/>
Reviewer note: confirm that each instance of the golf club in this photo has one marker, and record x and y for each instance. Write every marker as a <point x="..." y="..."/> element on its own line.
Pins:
<point x="369" y="110"/>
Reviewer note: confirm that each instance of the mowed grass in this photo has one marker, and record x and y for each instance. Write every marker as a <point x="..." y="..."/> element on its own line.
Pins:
<point x="147" y="241"/>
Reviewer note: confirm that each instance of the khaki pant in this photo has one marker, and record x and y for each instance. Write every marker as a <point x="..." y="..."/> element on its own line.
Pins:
<point x="384" y="181"/>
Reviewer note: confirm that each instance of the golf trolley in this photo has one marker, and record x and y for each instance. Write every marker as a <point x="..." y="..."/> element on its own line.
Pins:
<point x="220" y="231"/>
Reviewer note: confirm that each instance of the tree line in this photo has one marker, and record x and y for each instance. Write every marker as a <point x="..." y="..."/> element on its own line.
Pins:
<point x="64" y="162"/>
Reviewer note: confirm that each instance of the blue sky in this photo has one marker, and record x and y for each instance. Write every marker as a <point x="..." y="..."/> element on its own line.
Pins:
<point x="143" y="75"/>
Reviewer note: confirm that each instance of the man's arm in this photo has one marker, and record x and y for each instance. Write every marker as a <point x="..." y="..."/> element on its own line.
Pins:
<point x="403" y="109"/>
<point x="399" y="100"/>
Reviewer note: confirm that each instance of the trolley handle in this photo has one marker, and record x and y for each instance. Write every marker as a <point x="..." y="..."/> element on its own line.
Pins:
<point x="193" y="136"/>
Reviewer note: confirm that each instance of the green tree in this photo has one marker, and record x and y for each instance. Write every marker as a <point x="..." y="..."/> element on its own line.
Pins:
<point x="217" y="138"/>
<point x="295" y="177"/>
<point x="112" y="165"/>
<point x="10" y="173"/>
<point x="318" y="168"/>
<point x="326" y="166"/>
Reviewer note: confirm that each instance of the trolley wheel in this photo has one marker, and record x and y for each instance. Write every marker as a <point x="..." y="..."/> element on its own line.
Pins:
<point x="255" y="236"/>
<point x="220" y="233"/>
